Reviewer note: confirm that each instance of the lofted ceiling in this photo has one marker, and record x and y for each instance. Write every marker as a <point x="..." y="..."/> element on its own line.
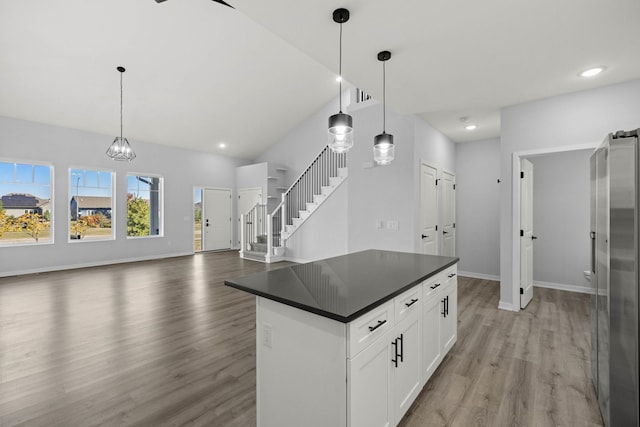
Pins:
<point x="200" y="73"/>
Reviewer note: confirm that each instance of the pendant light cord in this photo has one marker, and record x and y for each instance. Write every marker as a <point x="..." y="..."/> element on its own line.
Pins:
<point x="384" y="97"/>
<point x="340" y="69"/>
<point x="121" y="105"/>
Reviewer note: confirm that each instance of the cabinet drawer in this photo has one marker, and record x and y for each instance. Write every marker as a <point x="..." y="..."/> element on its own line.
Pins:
<point x="366" y="329"/>
<point x="407" y="302"/>
<point x="432" y="286"/>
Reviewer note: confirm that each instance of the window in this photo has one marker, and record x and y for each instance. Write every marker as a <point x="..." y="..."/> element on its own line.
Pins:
<point x="144" y="206"/>
<point x="26" y="208"/>
<point x="90" y="204"/>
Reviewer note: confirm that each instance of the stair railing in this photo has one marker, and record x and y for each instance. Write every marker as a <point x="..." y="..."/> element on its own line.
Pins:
<point x="295" y="199"/>
<point x="253" y="224"/>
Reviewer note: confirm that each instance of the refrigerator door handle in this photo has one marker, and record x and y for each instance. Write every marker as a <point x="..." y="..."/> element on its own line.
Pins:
<point x="593" y="251"/>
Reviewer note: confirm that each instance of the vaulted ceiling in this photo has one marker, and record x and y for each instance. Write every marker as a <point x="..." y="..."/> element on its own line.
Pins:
<point x="200" y="73"/>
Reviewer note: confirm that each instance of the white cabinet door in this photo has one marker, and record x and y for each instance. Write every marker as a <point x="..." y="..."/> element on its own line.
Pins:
<point x="430" y="338"/>
<point x="370" y="390"/>
<point x="449" y="310"/>
<point x="407" y="376"/>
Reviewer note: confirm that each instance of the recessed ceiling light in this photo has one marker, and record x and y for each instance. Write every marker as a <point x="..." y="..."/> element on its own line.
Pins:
<point x="591" y="72"/>
<point x="471" y="127"/>
<point x="338" y="79"/>
<point x="222" y="145"/>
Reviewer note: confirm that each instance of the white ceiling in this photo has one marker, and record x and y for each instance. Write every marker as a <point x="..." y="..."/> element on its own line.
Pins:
<point x="199" y="73"/>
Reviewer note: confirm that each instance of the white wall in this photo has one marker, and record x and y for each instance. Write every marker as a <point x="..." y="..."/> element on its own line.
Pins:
<point x="569" y="120"/>
<point x="478" y="208"/>
<point x="381" y="193"/>
<point x="182" y="170"/>
<point x="561" y="196"/>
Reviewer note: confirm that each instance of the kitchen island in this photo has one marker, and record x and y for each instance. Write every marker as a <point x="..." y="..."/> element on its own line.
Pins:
<point x="350" y="340"/>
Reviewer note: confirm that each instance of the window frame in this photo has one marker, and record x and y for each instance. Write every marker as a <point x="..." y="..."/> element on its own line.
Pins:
<point x="51" y="167"/>
<point x="160" y="205"/>
<point x="113" y="203"/>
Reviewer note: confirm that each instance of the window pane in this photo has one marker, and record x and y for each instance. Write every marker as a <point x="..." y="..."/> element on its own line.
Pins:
<point x="144" y="206"/>
<point x="26" y="212"/>
<point x="6" y="172"/>
<point x="90" y="205"/>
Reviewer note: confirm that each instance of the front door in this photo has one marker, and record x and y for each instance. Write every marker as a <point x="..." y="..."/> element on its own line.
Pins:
<point x="526" y="233"/>
<point x="428" y="210"/>
<point x="448" y="214"/>
<point x="216" y="219"/>
<point x="247" y="198"/>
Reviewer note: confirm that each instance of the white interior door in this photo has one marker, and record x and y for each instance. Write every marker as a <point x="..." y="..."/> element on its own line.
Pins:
<point x="247" y="198"/>
<point x="428" y="210"/>
<point x="448" y="214"/>
<point x="216" y="219"/>
<point x="526" y="233"/>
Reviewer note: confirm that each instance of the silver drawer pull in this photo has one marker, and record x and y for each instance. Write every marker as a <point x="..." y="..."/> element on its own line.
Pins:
<point x="380" y="323"/>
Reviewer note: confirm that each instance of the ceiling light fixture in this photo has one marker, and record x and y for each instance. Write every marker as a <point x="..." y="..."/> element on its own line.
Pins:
<point x="341" y="124"/>
<point x="592" y="72"/>
<point x="120" y="148"/>
<point x="222" y="145"/>
<point x="383" y="148"/>
<point x="471" y="127"/>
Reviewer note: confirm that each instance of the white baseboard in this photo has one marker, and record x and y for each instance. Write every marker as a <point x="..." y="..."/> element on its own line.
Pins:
<point x="298" y="260"/>
<point x="503" y="305"/>
<point x="89" y="264"/>
<point x="563" y="287"/>
<point x="478" y="275"/>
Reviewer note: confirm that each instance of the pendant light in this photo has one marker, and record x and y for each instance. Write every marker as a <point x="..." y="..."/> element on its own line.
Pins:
<point x="341" y="124"/>
<point x="383" y="148"/>
<point x="120" y="148"/>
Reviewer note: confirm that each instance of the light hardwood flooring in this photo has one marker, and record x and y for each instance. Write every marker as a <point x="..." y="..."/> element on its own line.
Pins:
<point x="165" y="343"/>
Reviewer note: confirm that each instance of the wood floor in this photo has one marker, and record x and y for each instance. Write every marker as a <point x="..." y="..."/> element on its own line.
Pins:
<point x="165" y="343"/>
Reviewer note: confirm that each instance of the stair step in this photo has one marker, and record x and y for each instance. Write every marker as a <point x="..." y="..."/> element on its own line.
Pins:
<point x="325" y="190"/>
<point x="255" y="256"/>
<point x="258" y="247"/>
<point x="305" y="214"/>
<point x="318" y="198"/>
<point x="296" y="221"/>
<point x="335" y="180"/>
<point x="261" y="238"/>
<point x="311" y="207"/>
<point x="343" y="172"/>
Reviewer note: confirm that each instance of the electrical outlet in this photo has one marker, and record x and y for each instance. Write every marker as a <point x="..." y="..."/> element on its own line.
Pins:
<point x="267" y="335"/>
<point x="393" y="224"/>
<point x="379" y="223"/>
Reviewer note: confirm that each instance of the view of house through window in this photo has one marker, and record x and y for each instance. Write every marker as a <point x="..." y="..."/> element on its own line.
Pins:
<point x="26" y="211"/>
<point x="90" y="204"/>
<point x="144" y="206"/>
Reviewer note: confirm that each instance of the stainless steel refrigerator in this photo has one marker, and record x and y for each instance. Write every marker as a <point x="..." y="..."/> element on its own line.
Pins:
<point x="615" y="190"/>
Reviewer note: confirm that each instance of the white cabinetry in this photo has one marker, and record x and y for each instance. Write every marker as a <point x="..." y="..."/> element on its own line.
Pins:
<point x="439" y="319"/>
<point x="390" y="353"/>
<point x="383" y="378"/>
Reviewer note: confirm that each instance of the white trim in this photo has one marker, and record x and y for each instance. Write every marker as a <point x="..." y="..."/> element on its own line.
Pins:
<point x="515" y="207"/>
<point x="478" y="275"/>
<point x="503" y="305"/>
<point x="91" y="264"/>
<point x="563" y="287"/>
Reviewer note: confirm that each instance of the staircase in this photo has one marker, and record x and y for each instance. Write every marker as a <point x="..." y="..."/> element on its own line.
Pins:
<point x="263" y="236"/>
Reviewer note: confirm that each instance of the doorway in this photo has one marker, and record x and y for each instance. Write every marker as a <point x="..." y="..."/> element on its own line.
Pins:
<point x="448" y="214"/>
<point x="428" y="209"/>
<point x="216" y="219"/>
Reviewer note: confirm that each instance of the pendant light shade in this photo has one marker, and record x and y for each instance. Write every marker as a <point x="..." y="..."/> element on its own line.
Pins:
<point x="383" y="147"/>
<point x="341" y="124"/>
<point x="120" y="148"/>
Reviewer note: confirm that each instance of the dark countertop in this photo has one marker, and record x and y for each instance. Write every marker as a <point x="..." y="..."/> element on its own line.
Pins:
<point x="344" y="288"/>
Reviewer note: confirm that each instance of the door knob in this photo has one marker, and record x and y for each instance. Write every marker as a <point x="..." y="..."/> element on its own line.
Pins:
<point x="424" y="236"/>
<point x="534" y="237"/>
<point x="445" y="232"/>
